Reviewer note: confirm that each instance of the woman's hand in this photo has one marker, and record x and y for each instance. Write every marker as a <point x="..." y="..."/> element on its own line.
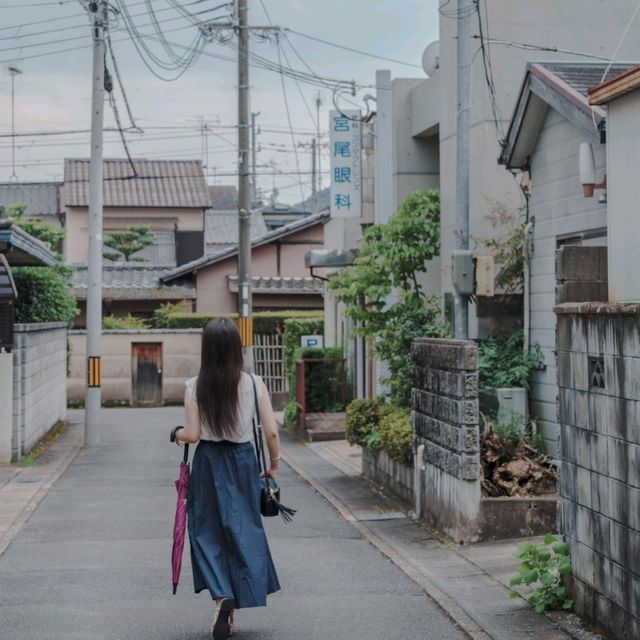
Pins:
<point x="271" y="472"/>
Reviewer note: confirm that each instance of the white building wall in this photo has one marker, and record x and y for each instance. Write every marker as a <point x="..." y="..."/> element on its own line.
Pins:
<point x="623" y="157"/>
<point x="558" y="209"/>
<point x="589" y="26"/>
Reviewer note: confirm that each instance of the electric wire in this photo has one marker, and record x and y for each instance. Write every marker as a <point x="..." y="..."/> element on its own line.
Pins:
<point x="351" y="49"/>
<point x="314" y="120"/>
<point x="622" y="37"/>
<point x="488" y="72"/>
<point x="286" y="105"/>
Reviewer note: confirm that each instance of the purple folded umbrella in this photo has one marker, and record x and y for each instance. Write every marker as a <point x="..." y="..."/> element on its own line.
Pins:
<point x="180" y="523"/>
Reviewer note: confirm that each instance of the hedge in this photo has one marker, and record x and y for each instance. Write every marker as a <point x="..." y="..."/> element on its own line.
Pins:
<point x="294" y="329"/>
<point x="43" y="295"/>
<point x="264" y="322"/>
<point x="375" y="425"/>
<point x="124" y="322"/>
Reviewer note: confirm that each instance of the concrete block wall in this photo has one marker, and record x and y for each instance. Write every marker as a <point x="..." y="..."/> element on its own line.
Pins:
<point x="598" y="360"/>
<point x="581" y="274"/>
<point x="394" y="476"/>
<point x="180" y="361"/>
<point x="445" y="419"/>
<point x="39" y="382"/>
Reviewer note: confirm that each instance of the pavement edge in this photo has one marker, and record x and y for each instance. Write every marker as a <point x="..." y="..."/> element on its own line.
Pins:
<point x="33" y="503"/>
<point x="447" y="604"/>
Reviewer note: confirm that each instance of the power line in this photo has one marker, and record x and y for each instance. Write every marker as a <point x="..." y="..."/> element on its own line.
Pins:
<point x="622" y="37"/>
<point x="488" y="72"/>
<point x="286" y="106"/>
<point x="351" y="49"/>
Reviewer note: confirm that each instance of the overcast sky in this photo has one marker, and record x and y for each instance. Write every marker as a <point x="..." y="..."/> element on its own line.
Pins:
<point x="54" y="91"/>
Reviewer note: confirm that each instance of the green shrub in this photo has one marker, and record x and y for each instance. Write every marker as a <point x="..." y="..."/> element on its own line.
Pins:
<point x="43" y="295"/>
<point x="291" y="415"/>
<point x="323" y="380"/>
<point x="396" y="435"/>
<point x="363" y="416"/>
<point x="124" y="322"/>
<point x="161" y="316"/>
<point x="503" y="362"/>
<point x="294" y="329"/>
<point x="264" y="322"/>
<point x="543" y="569"/>
<point x="378" y="426"/>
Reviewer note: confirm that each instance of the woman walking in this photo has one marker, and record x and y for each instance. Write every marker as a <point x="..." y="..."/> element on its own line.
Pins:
<point x="229" y="551"/>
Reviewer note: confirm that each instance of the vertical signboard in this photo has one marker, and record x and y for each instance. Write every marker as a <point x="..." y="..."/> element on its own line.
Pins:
<point x="346" y="163"/>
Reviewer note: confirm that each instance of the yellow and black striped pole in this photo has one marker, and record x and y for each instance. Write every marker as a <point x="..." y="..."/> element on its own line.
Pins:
<point x="94" y="371"/>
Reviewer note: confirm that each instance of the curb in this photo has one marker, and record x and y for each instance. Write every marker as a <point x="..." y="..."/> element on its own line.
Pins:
<point x="447" y="604"/>
<point x="30" y="507"/>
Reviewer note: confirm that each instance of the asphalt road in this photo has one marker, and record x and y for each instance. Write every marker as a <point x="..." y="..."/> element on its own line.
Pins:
<point x="93" y="560"/>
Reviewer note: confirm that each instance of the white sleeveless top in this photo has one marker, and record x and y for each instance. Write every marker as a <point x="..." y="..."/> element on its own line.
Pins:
<point x="246" y="409"/>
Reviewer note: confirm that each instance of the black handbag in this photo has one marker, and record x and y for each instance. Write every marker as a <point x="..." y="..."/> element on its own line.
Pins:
<point x="270" y="504"/>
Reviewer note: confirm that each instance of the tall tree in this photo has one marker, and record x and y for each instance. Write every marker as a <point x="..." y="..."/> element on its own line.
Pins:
<point x="391" y="259"/>
<point x="126" y="243"/>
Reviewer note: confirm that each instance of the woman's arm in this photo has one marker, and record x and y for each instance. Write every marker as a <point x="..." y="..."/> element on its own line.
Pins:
<point x="191" y="432"/>
<point x="270" y="427"/>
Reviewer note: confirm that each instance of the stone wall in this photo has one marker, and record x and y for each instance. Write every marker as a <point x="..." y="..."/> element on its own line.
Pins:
<point x="39" y="382"/>
<point x="395" y="477"/>
<point x="598" y="352"/>
<point x="445" y="419"/>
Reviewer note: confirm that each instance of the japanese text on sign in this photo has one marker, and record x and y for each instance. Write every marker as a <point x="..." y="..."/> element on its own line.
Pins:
<point x="346" y="169"/>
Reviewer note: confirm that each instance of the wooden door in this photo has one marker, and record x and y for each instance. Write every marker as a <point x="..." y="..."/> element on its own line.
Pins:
<point x="146" y="372"/>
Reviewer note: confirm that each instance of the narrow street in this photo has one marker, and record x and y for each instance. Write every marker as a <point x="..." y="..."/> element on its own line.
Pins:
<point x="93" y="560"/>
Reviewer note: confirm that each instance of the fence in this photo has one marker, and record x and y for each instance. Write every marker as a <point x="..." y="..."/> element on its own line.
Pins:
<point x="268" y="358"/>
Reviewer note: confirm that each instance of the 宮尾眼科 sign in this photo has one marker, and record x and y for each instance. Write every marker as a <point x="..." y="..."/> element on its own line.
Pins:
<point x="346" y="164"/>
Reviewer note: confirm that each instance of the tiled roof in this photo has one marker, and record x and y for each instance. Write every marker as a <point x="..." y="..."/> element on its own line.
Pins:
<point x="581" y="76"/>
<point x="156" y="183"/>
<point x="223" y="197"/>
<point x="562" y="86"/>
<point x="131" y="281"/>
<point x="281" y="232"/>
<point x="221" y="227"/>
<point x="41" y="198"/>
<point x="277" y="284"/>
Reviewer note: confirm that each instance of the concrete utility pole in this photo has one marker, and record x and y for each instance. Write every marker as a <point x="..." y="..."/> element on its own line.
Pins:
<point x="463" y="88"/>
<point x="13" y="71"/>
<point x="319" y="165"/>
<point x="244" y="188"/>
<point x="243" y="29"/>
<point x="314" y="173"/>
<point x="93" y="396"/>
<point x="254" y="156"/>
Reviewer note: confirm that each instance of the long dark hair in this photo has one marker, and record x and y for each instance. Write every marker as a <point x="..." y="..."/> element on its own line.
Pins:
<point x="219" y="377"/>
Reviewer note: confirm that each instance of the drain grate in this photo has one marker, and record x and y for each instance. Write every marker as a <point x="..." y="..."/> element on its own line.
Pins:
<point x="376" y="515"/>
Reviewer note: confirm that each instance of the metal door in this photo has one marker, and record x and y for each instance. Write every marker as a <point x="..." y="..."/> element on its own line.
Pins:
<point x="146" y="372"/>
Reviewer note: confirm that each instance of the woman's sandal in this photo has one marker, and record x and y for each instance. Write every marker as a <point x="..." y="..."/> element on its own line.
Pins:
<point x="223" y="625"/>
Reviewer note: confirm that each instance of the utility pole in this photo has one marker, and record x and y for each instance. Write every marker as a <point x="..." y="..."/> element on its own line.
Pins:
<point x="242" y="28"/>
<point x="244" y="188"/>
<point x="319" y="148"/>
<point x="13" y="71"/>
<point x="463" y="88"/>
<point x="314" y="171"/>
<point x="93" y="396"/>
<point x="254" y="155"/>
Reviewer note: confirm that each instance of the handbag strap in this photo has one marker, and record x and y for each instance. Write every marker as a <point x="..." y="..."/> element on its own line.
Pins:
<point x="257" y="431"/>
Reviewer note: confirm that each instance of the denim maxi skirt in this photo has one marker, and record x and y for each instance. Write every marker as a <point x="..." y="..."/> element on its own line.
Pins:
<point x="229" y="551"/>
